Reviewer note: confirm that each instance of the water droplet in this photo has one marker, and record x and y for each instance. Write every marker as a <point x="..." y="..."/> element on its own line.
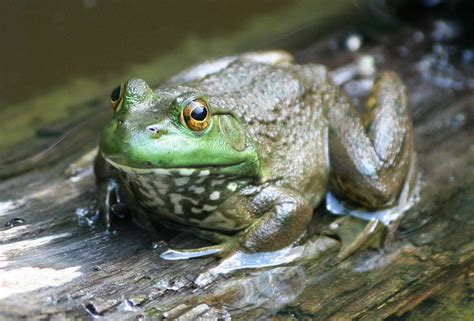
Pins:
<point x="353" y="42"/>
<point x="14" y="222"/>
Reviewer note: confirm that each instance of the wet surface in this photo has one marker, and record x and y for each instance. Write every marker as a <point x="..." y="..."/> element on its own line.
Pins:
<point x="425" y="273"/>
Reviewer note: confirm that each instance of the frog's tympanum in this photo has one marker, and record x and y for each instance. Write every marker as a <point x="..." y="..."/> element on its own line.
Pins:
<point x="241" y="150"/>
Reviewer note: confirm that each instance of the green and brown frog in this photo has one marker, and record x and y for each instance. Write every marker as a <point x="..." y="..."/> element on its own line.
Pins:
<point x="241" y="150"/>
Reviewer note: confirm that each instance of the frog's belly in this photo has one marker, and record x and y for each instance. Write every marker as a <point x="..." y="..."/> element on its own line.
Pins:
<point x="188" y="197"/>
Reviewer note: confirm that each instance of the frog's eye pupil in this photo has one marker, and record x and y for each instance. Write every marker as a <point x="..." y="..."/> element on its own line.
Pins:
<point x="199" y="113"/>
<point x="115" y="95"/>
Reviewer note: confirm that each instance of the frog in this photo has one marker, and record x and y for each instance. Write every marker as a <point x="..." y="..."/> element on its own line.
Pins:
<point x="241" y="150"/>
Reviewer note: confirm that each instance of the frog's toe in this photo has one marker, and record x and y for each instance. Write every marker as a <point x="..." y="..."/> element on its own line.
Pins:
<point x="173" y="255"/>
<point x="356" y="234"/>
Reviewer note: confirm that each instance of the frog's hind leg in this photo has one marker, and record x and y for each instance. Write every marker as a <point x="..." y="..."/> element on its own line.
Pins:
<point x="372" y="157"/>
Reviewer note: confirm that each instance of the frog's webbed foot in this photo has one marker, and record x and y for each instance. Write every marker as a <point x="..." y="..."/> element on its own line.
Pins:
<point x="356" y="234"/>
<point x="174" y="254"/>
<point x="225" y="243"/>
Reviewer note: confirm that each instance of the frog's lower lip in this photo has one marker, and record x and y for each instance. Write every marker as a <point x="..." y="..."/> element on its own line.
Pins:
<point x="183" y="170"/>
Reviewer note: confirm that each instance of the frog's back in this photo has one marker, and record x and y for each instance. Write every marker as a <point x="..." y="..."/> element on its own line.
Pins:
<point x="282" y="108"/>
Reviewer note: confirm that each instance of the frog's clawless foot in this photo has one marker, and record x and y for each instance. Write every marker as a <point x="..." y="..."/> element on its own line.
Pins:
<point x="356" y="234"/>
<point x="173" y="255"/>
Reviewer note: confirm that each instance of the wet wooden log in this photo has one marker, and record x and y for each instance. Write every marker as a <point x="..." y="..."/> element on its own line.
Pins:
<point x="51" y="267"/>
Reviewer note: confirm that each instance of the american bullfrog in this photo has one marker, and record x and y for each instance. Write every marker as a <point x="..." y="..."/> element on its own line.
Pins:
<point x="242" y="149"/>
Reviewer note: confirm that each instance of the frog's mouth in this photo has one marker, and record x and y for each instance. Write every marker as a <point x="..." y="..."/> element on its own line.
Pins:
<point x="200" y="170"/>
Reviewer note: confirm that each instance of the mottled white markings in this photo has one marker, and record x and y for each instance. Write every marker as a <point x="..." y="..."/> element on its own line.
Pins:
<point x="208" y="208"/>
<point x="147" y="192"/>
<point x="181" y="181"/>
<point x="216" y="182"/>
<point x="216" y="219"/>
<point x="136" y="170"/>
<point x="178" y="209"/>
<point x="232" y="187"/>
<point x="160" y="171"/>
<point x="155" y="201"/>
<point x="196" y="189"/>
<point x="186" y="172"/>
<point x="205" y="208"/>
<point x="204" y="173"/>
<point x="144" y="183"/>
<point x="215" y="196"/>
<point x="196" y="210"/>
<point x="161" y="188"/>
<point x="176" y="201"/>
<point x="200" y="180"/>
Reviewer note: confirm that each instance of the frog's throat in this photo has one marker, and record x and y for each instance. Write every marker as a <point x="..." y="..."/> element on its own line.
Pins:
<point x="183" y="171"/>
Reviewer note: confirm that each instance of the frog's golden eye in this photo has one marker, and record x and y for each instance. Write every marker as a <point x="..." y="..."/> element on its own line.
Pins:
<point x="116" y="97"/>
<point x="195" y="115"/>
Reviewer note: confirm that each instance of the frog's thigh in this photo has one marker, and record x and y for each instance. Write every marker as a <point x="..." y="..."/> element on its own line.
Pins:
<point x="370" y="156"/>
<point x="287" y="215"/>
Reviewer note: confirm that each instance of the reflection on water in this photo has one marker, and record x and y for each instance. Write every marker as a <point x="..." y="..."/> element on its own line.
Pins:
<point x="268" y="290"/>
<point x="244" y="261"/>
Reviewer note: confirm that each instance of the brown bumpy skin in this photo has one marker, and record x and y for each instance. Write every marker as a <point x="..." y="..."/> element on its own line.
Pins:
<point x="370" y="156"/>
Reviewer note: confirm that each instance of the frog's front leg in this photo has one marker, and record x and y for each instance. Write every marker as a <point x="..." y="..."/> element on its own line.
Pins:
<point x="285" y="215"/>
<point x="285" y="219"/>
<point x="107" y="189"/>
<point x="372" y="157"/>
<point x="114" y="198"/>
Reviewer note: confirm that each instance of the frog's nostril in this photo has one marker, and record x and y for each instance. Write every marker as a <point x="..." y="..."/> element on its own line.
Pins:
<point x="155" y="131"/>
<point x="152" y="129"/>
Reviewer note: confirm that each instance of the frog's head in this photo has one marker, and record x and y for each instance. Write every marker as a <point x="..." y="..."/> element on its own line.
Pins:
<point x="175" y="128"/>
